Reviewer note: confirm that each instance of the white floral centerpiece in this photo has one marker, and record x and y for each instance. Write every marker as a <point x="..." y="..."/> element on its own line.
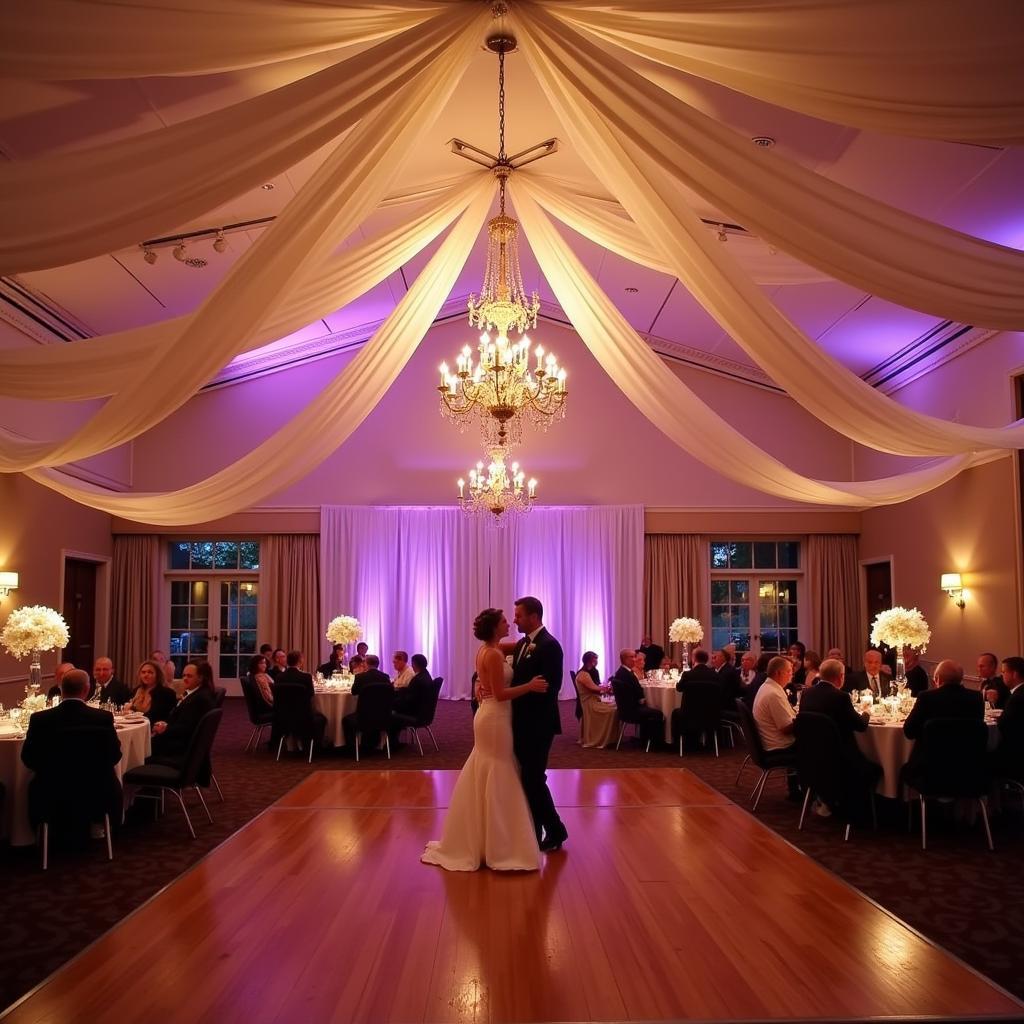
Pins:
<point x="31" y="630"/>
<point x="901" y="628"/>
<point x="344" y="629"/>
<point x="685" y="631"/>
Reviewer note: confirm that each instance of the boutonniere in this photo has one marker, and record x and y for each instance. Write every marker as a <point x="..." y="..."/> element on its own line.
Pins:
<point x="530" y="648"/>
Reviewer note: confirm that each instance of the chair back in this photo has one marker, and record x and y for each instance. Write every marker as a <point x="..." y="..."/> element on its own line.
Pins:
<point x="953" y="758"/>
<point x="576" y="690"/>
<point x="373" y="711"/>
<point x="196" y="764"/>
<point x="76" y="786"/>
<point x="751" y="733"/>
<point x="255" y="706"/>
<point x="293" y="711"/>
<point x="625" y="703"/>
<point x="428" y="709"/>
<point x="219" y="693"/>
<point x="702" y="706"/>
<point x="819" y="755"/>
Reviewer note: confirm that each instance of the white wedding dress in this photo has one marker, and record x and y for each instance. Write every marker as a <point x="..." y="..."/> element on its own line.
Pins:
<point x="488" y="820"/>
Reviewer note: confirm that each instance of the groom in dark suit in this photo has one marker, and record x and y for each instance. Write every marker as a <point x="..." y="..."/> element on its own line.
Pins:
<point x="535" y="720"/>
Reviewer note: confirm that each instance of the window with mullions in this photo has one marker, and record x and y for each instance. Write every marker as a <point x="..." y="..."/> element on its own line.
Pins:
<point x="189" y="555"/>
<point x="755" y="554"/>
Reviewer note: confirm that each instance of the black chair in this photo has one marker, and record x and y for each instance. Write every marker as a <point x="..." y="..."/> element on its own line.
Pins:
<point x="700" y="712"/>
<point x="425" y="718"/>
<point x="260" y="715"/>
<point x="293" y="716"/>
<point x="188" y="774"/>
<point x="822" y="769"/>
<point x="628" y="717"/>
<point x="579" y="703"/>
<point x="767" y="760"/>
<point x="952" y="764"/>
<point x="219" y="693"/>
<point x="373" y="714"/>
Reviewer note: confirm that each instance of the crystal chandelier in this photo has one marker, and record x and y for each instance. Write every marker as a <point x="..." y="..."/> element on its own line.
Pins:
<point x="498" y="489"/>
<point x="499" y="387"/>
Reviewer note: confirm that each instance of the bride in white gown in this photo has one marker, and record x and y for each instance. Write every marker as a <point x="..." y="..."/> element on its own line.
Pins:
<point x="488" y="820"/>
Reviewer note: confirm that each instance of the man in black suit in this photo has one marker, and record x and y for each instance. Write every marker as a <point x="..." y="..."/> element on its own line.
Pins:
<point x="728" y="677"/>
<point x="111" y="689"/>
<point x="278" y="664"/>
<point x="88" y="787"/>
<point x="871" y="677"/>
<point x="411" y="701"/>
<point x="336" y="662"/>
<point x="917" y="677"/>
<point x="631" y="702"/>
<point x="696" y="679"/>
<point x="653" y="654"/>
<point x="370" y="676"/>
<point x="701" y="672"/>
<point x="1010" y="752"/>
<point x="994" y="690"/>
<point x="294" y="674"/>
<point x="171" y="738"/>
<point x="535" y="718"/>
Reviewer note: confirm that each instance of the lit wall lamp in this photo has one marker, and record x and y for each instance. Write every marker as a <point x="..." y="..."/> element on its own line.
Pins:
<point x="953" y="584"/>
<point x="8" y="582"/>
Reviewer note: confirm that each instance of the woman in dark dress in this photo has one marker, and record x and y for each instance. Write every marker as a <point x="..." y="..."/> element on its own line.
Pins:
<point x="152" y="696"/>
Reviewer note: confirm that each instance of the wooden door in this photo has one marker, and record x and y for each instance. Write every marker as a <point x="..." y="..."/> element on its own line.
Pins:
<point x="80" y="612"/>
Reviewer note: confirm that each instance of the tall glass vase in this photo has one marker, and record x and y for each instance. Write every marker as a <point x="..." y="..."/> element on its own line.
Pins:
<point x="35" y="672"/>
<point x="901" y="668"/>
<point x="686" y="658"/>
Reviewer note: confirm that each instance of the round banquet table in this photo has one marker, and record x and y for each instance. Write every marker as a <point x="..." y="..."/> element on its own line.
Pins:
<point x="14" y="822"/>
<point x="335" y="705"/>
<point x="665" y="698"/>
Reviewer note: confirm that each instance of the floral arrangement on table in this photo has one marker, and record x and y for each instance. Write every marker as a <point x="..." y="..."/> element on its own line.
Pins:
<point x="34" y="628"/>
<point x="686" y="631"/>
<point x="344" y="629"/>
<point x="900" y="628"/>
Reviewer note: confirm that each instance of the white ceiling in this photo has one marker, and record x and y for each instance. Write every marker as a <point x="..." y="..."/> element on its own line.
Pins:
<point x="972" y="188"/>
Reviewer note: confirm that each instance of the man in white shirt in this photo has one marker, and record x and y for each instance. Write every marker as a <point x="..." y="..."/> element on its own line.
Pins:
<point x="774" y="715"/>
<point x="400" y="660"/>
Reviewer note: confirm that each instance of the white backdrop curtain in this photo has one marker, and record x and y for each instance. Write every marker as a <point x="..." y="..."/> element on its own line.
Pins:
<point x="70" y="206"/>
<point x="69" y="39"/>
<point x="939" y="69"/>
<point x="416" y="578"/>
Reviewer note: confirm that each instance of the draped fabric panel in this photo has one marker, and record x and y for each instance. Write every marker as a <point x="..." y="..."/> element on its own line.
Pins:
<point x="105" y="365"/>
<point x="317" y="430"/>
<point x="417" y="577"/>
<point x="72" y="39"/>
<point x="70" y="206"/>
<point x="833" y="584"/>
<point x="677" y="583"/>
<point x="872" y="64"/>
<point x="135" y="581"/>
<point x="290" y="599"/>
<point x="866" y="243"/>
<point x="336" y="199"/>
<point x="678" y="412"/>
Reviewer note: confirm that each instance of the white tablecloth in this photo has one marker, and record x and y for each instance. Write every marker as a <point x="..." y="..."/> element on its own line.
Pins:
<point x="14" y="822"/>
<point x="665" y="698"/>
<point x="335" y="704"/>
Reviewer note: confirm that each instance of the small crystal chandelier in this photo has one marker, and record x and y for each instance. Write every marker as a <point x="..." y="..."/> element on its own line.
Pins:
<point x="499" y="388"/>
<point x="498" y="489"/>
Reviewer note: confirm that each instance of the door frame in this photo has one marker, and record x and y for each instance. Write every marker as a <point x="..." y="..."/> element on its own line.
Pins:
<point x="753" y="577"/>
<point x="101" y="628"/>
<point x="862" y="584"/>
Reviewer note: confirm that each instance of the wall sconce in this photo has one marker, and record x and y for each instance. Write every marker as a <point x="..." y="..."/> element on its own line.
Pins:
<point x="953" y="585"/>
<point x="8" y="582"/>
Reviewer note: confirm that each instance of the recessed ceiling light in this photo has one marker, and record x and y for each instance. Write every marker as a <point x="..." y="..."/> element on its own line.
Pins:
<point x="764" y="141"/>
<point x="632" y="291"/>
<point x="269" y="187"/>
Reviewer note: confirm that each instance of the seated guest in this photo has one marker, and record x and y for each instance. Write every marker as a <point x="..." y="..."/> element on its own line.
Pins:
<point x="630" y="700"/>
<point x="666" y="664"/>
<point x="640" y="666"/>
<point x="700" y="672"/>
<point x="356" y="665"/>
<point x="600" y="720"/>
<point x="278" y="663"/>
<point x="812" y="664"/>
<point x="411" y="701"/>
<point x="825" y="697"/>
<point x="58" y="674"/>
<point x="871" y="677"/>
<point x="774" y="715"/>
<point x="995" y="691"/>
<point x="172" y="736"/>
<point x="748" y="669"/>
<point x="166" y="666"/>
<point x="796" y="653"/>
<point x="109" y="687"/>
<point x="268" y="652"/>
<point x="728" y="676"/>
<point x="951" y="699"/>
<point x="259" y="677"/>
<point x="695" y="681"/>
<point x="294" y="675"/>
<point x="370" y="676"/>
<point x="917" y="678"/>
<point x="362" y="649"/>
<point x="403" y="672"/>
<point x="94" y="790"/>
<point x="1009" y="755"/>
<point x="335" y="663"/>
<point x="653" y="654"/>
<point x="152" y="696"/>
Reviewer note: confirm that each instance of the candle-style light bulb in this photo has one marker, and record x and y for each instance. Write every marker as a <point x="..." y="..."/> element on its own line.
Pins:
<point x="533" y="488"/>
<point x="462" y="488"/>
<point x="561" y="379"/>
<point x="539" y="353"/>
<point x="444" y="374"/>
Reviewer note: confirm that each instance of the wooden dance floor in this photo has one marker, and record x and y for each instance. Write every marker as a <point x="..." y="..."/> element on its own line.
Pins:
<point x="668" y="903"/>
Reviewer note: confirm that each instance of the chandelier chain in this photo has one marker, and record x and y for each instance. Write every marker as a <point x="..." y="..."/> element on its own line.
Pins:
<point x="501" y="128"/>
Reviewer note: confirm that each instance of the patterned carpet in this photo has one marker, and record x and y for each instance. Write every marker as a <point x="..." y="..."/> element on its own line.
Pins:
<point x="957" y="893"/>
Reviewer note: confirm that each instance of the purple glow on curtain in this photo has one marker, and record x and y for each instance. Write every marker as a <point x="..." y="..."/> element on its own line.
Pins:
<point x="416" y="577"/>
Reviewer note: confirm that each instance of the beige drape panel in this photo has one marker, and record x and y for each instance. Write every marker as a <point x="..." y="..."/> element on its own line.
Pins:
<point x="104" y="365"/>
<point x="306" y="440"/>
<point x="677" y="583"/>
<point x="939" y="69"/>
<point x="135" y="580"/>
<point x="332" y="204"/>
<point x="833" y="590"/>
<point x="290" y="598"/>
<point x="67" y="207"/>
<point x="69" y="39"/>
<point x="849" y="236"/>
<point x="676" y="410"/>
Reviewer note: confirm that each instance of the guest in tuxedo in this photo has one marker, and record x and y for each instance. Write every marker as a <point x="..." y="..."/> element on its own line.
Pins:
<point x="917" y="678"/>
<point x="698" y="678"/>
<point x="152" y="696"/>
<point x="172" y="736"/>
<point x="110" y="688"/>
<point x="1009" y="755"/>
<point x="403" y="671"/>
<point x="951" y="699"/>
<point x="796" y="653"/>
<point x="630" y="700"/>
<point x="259" y="677"/>
<point x="335" y="663"/>
<point x="295" y="674"/>
<point x="774" y="715"/>
<point x="728" y="677"/>
<point x="278" y="663"/>
<point x="411" y="700"/>
<point x="370" y="676"/>
<point x="995" y="691"/>
<point x="870" y="677"/>
<point x="58" y="674"/>
<point x="94" y="790"/>
<point x="652" y="653"/>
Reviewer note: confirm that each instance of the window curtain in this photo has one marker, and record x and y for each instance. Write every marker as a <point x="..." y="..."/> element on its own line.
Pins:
<point x="290" y="594"/>
<point x="136" y="575"/>
<point x="417" y="577"/>
<point x="677" y="583"/>
<point x="833" y="590"/>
